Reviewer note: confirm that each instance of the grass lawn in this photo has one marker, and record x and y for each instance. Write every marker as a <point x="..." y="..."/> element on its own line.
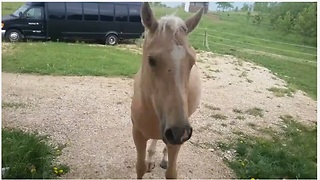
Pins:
<point x="300" y="75"/>
<point x="10" y="7"/>
<point x="291" y="154"/>
<point x="69" y="59"/>
<point x="29" y="156"/>
<point x="288" y="55"/>
<point x="284" y="54"/>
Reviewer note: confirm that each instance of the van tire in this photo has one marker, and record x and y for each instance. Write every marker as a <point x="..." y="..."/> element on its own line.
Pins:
<point x="112" y="39"/>
<point x="13" y="35"/>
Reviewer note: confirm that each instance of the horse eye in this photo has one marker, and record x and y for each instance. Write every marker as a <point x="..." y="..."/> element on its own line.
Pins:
<point x="152" y="61"/>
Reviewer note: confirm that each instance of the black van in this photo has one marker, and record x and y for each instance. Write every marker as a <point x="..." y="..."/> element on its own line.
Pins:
<point x="103" y="21"/>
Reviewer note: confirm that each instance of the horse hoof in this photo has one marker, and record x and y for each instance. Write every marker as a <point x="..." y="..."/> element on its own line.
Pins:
<point x="164" y="164"/>
<point x="150" y="166"/>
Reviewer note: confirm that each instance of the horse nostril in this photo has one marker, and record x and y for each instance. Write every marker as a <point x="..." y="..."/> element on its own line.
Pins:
<point x="187" y="135"/>
<point x="176" y="135"/>
<point x="169" y="135"/>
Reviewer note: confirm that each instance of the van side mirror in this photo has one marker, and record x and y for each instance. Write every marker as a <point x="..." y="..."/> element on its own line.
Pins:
<point x="20" y="15"/>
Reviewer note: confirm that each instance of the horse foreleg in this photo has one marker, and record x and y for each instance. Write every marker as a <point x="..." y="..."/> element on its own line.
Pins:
<point x="140" y="142"/>
<point x="173" y="151"/>
<point x="164" y="161"/>
<point x="150" y="158"/>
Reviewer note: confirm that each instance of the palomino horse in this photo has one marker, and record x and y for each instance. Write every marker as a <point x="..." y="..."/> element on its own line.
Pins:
<point x="166" y="90"/>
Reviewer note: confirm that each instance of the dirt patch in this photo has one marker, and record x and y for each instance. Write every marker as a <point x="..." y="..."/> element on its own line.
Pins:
<point x="131" y="47"/>
<point x="8" y="48"/>
<point x="91" y="115"/>
<point x="288" y="58"/>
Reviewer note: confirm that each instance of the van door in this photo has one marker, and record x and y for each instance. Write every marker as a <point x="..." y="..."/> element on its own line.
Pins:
<point x="134" y="25"/>
<point x="34" y="23"/>
<point x="121" y="19"/>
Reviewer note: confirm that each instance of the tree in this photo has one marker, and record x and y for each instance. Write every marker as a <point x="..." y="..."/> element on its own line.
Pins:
<point x="159" y="4"/>
<point x="299" y="18"/>
<point x="248" y="15"/>
<point x="183" y="5"/>
<point x="286" y="23"/>
<point x="306" y="22"/>
<point x="245" y="7"/>
<point x="250" y="8"/>
<point x="262" y="7"/>
<point x="224" y="5"/>
<point x="236" y="9"/>
<point x="257" y="19"/>
<point x="156" y="3"/>
<point x="280" y="10"/>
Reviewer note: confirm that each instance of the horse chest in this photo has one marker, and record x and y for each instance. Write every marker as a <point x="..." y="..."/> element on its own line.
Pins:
<point x="150" y="127"/>
<point x="146" y="121"/>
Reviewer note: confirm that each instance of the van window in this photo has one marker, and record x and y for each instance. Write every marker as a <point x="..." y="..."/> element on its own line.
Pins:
<point x="21" y="9"/>
<point x="35" y="13"/>
<point x="121" y="13"/>
<point x="74" y="11"/>
<point x="90" y="11"/>
<point x="56" y="10"/>
<point x="106" y="11"/>
<point x="134" y="14"/>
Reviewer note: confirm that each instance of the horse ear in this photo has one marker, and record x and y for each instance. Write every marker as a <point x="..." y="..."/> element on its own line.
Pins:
<point x="194" y="20"/>
<point x="147" y="18"/>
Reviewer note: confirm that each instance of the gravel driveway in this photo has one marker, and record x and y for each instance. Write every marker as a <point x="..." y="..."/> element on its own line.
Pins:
<point x="91" y="115"/>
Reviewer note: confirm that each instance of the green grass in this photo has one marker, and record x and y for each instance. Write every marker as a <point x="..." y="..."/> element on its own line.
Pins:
<point x="281" y="92"/>
<point x="235" y="36"/>
<point x="10" y="7"/>
<point x="261" y="44"/>
<point x="255" y="112"/>
<point x="244" y="74"/>
<point x="298" y="72"/>
<point x="249" y="80"/>
<point x="238" y="111"/>
<point x="291" y="154"/>
<point x="219" y="116"/>
<point x="28" y="156"/>
<point x="212" y="107"/>
<point x="299" y="75"/>
<point x="13" y="105"/>
<point x="64" y="59"/>
<point x="240" y="117"/>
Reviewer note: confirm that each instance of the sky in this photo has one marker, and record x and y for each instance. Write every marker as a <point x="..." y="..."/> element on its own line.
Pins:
<point x="212" y="5"/>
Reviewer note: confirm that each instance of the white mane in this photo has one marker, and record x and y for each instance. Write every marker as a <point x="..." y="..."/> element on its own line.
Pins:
<point x="173" y="22"/>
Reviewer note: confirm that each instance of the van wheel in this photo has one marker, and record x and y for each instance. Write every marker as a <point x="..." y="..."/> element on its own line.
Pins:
<point x="14" y="35"/>
<point x="112" y="39"/>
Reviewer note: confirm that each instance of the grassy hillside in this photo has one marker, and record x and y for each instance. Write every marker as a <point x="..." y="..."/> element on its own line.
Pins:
<point x="10" y="7"/>
<point x="68" y="59"/>
<point x="291" y="154"/>
<point x="231" y="33"/>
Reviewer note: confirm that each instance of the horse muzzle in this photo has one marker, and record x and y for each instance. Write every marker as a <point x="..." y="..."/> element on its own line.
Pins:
<point x="177" y="135"/>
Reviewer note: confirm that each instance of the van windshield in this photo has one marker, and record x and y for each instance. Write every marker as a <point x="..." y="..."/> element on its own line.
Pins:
<point x="21" y="9"/>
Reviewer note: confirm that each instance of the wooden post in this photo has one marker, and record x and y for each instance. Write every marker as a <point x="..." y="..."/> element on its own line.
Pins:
<point x="205" y="37"/>
<point x="205" y="42"/>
